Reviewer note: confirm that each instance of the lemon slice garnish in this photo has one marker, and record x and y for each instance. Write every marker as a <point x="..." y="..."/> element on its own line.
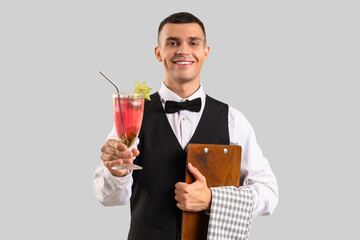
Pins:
<point x="143" y="90"/>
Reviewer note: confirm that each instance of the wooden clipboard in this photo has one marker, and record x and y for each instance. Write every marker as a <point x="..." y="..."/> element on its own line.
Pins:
<point x="220" y="164"/>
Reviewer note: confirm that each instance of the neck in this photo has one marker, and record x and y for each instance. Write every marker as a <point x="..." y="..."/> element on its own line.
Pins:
<point x="183" y="89"/>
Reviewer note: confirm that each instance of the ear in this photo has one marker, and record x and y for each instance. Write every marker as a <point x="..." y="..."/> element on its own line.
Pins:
<point x="157" y="54"/>
<point x="206" y="52"/>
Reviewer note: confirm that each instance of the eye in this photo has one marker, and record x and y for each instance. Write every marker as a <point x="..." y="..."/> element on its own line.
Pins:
<point x="194" y="44"/>
<point x="172" y="44"/>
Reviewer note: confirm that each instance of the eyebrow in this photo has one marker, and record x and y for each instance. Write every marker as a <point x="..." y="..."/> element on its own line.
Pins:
<point x="177" y="39"/>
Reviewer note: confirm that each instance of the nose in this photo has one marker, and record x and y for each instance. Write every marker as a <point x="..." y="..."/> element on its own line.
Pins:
<point x="183" y="49"/>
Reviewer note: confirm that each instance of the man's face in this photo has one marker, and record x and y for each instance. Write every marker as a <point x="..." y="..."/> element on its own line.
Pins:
<point x="182" y="50"/>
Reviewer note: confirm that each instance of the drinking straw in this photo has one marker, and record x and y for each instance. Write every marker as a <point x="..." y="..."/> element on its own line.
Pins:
<point x="117" y="89"/>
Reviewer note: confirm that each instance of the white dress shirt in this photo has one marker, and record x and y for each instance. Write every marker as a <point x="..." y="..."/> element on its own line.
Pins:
<point x="255" y="168"/>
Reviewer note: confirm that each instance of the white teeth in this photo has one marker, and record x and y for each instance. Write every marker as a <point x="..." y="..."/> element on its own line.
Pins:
<point x="183" y="63"/>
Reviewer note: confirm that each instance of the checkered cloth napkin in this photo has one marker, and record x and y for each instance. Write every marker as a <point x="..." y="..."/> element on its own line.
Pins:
<point x="231" y="213"/>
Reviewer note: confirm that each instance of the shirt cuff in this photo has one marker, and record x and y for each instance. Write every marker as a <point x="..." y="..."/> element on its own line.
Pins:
<point x="113" y="182"/>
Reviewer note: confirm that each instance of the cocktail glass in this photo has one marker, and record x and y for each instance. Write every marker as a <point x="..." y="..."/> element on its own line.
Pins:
<point x="128" y="115"/>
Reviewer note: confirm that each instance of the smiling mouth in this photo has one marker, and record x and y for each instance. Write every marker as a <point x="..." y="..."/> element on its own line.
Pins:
<point x="183" y="62"/>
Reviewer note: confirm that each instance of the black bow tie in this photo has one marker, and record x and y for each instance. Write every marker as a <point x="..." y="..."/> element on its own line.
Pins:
<point x="193" y="106"/>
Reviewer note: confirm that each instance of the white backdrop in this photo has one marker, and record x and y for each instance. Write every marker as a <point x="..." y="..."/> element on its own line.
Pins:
<point x="289" y="66"/>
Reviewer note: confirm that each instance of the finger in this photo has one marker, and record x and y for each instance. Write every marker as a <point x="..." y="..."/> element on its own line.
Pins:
<point x="116" y="145"/>
<point x="127" y="161"/>
<point x="108" y="157"/>
<point x="108" y="149"/>
<point x="181" y="186"/>
<point x="181" y="206"/>
<point x="135" y="152"/>
<point x="110" y="164"/>
<point x="178" y="192"/>
<point x="197" y="174"/>
<point x="177" y="198"/>
<point x="112" y="143"/>
<point x="120" y="154"/>
<point x="124" y="155"/>
<point x="118" y="172"/>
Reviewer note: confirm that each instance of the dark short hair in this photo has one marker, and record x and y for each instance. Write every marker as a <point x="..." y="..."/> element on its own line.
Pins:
<point x="181" y="17"/>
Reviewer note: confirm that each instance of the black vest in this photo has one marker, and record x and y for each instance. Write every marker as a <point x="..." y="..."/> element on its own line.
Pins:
<point x="154" y="214"/>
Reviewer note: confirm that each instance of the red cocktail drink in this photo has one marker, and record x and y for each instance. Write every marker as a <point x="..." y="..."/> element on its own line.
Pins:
<point x="128" y="115"/>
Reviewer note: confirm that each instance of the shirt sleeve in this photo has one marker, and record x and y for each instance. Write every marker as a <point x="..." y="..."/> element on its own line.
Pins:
<point x="255" y="168"/>
<point x="232" y="209"/>
<point x="111" y="190"/>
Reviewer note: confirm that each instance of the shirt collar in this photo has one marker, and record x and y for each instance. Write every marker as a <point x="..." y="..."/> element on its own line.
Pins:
<point x="167" y="95"/>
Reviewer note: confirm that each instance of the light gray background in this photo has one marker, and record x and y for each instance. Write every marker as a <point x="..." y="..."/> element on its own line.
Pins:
<point x="291" y="67"/>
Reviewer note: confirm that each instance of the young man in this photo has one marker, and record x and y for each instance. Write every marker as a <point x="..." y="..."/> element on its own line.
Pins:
<point x="158" y="193"/>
